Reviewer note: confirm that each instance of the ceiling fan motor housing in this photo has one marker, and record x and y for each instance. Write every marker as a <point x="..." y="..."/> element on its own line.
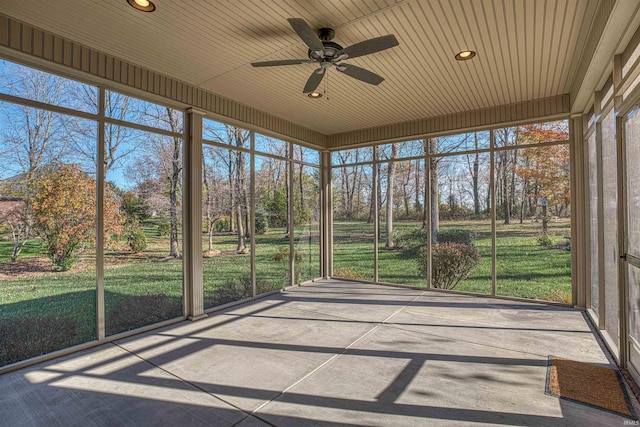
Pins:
<point x="330" y="51"/>
<point x="326" y="34"/>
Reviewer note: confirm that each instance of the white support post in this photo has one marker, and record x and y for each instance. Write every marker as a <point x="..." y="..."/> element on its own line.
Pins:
<point x="292" y="247"/>
<point x="326" y="215"/>
<point x="192" y="230"/>
<point x="492" y="201"/>
<point x="579" y="229"/>
<point x="252" y="212"/>
<point x="376" y="213"/>
<point x="100" y="178"/>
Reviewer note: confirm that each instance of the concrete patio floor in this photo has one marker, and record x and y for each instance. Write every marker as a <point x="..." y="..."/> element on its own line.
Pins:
<point x="330" y="353"/>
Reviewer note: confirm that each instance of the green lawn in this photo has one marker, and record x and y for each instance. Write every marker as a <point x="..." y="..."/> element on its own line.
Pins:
<point x="524" y="268"/>
<point x="146" y="288"/>
<point x="140" y="289"/>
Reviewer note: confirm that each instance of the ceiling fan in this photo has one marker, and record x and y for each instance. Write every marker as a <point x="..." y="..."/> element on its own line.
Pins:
<point x="327" y="54"/>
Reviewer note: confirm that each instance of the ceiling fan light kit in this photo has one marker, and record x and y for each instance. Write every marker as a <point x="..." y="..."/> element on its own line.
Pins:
<point x="465" y="55"/>
<point x="142" y="5"/>
<point x="325" y="53"/>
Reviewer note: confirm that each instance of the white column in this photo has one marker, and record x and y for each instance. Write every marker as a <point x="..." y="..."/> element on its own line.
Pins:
<point x="192" y="230"/>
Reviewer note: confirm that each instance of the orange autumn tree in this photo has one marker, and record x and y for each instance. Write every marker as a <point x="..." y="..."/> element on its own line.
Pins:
<point x="64" y="208"/>
<point x="544" y="171"/>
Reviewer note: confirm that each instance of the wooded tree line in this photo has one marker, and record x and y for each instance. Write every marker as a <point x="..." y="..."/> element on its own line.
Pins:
<point x="226" y="182"/>
<point x="44" y="152"/>
<point x="459" y="183"/>
<point x="141" y="168"/>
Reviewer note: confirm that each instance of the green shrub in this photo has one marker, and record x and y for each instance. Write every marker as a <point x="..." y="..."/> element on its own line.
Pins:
<point x="63" y="260"/>
<point x="457" y="235"/>
<point x="410" y="238"/>
<point x="133" y="206"/>
<point x="544" y="240"/>
<point x="262" y="223"/>
<point x="24" y="338"/>
<point x="136" y="240"/>
<point x="235" y="290"/>
<point x="164" y="228"/>
<point x="451" y="263"/>
<point x="142" y="310"/>
<point x="221" y="225"/>
<point x="348" y="273"/>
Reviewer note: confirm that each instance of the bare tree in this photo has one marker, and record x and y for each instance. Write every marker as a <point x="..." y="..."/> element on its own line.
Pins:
<point x="212" y="203"/>
<point x="235" y="166"/>
<point x="434" y="190"/>
<point x="31" y="139"/>
<point x="164" y="160"/>
<point x="391" y="176"/>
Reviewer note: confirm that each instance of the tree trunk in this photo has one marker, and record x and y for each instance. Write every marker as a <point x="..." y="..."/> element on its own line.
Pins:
<point x="174" y="251"/>
<point x="242" y="244"/>
<point x="435" y="207"/>
<point x="523" y="201"/>
<point x="476" y="169"/>
<point x="300" y="176"/>
<point x="232" y="190"/>
<point x="379" y="191"/>
<point x="239" y="195"/>
<point x="505" y="195"/>
<point x="512" y="189"/>
<point x="391" y="177"/>
<point x="208" y="204"/>
<point x="417" y="177"/>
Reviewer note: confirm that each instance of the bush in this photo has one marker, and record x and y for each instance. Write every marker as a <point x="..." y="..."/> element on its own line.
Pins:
<point x="348" y="273"/>
<point x="235" y="290"/>
<point x="452" y="263"/>
<point x="544" y="240"/>
<point x="142" y="310"/>
<point x="63" y="204"/>
<point x="457" y="235"/>
<point x="410" y="238"/>
<point x="164" y="229"/>
<point x="136" y="240"/>
<point x="221" y="225"/>
<point x="133" y="206"/>
<point x="262" y="223"/>
<point x="22" y="339"/>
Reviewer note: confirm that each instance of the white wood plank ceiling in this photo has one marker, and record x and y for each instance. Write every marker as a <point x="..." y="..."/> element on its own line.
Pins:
<point x="527" y="49"/>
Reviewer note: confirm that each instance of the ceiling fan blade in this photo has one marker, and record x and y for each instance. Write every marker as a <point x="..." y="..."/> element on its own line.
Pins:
<point x="369" y="46"/>
<point x="307" y="35"/>
<point x="281" y="62"/>
<point x="360" y="74"/>
<point x="314" y="81"/>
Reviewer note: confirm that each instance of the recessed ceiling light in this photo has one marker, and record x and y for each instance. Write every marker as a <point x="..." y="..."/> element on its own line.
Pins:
<point x="143" y="5"/>
<point x="314" y="95"/>
<point x="465" y="55"/>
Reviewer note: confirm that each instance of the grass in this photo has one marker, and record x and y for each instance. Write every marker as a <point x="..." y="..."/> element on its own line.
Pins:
<point x="29" y="290"/>
<point x="132" y="281"/>
<point x="524" y="268"/>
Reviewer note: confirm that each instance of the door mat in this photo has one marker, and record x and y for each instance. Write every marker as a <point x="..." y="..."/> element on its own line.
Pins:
<point x="588" y="384"/>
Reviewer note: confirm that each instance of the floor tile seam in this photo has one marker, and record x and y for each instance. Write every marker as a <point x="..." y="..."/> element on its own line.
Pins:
<point x="464" y="320"/>
<point x="320" y="312"/>
<point x="372" y="322"/>
<point x="403" y="307"/>
<point x="196" y="386"/>
<point x="391" y="325"/>
<point x="335" y="356"/>
<point x="316" y="369"/>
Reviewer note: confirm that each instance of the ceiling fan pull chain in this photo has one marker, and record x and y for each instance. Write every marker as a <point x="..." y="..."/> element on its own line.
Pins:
<point x="326" y="86"/>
